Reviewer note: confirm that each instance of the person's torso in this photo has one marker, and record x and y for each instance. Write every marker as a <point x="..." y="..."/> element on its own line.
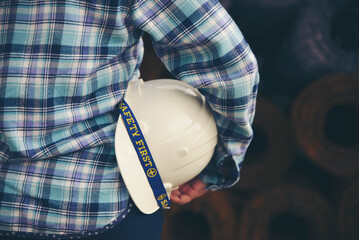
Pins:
<point x="64" y="66"/>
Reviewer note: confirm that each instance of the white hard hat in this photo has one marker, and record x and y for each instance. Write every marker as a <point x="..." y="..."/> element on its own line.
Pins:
<point x="180" y="132"/>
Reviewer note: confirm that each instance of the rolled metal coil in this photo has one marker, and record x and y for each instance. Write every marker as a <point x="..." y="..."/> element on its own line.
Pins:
<point x="211" y="217"/>
<point x="287" y="212"/>
<point x="272" y="149"/>
<point x="325" y="124"/>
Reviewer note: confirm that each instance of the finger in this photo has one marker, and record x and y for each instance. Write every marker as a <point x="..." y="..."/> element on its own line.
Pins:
<point x="188" y="190"/>
<point x="175" y="198"/>
<point x="182" y="199"/>
<point x="176" y="192"/>
<point x="175" y="195"/>
<point x="195" y="190"/>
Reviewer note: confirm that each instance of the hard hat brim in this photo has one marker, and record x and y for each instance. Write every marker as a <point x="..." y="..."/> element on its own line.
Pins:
<point x="132" y="172"/>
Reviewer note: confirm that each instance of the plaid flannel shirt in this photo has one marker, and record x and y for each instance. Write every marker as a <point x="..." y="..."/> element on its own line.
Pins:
<point x="64" y="66"/>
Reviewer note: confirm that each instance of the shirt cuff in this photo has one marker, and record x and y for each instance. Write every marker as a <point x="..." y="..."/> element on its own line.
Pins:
<point x="221" y="173"/>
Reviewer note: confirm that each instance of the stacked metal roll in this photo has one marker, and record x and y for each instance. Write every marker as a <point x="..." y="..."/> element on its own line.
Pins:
<point x="287" y="212"/>
<point x="211" y="217"/>
<point x="324" y="40"/>
<point x="349" y="213"/>
<point x="261" y="17"/>
<point x="272" y="150"/>
<point x="325" y="123"/>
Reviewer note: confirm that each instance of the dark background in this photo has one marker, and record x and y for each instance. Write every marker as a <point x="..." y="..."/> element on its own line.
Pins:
<point x="300" y="175"/>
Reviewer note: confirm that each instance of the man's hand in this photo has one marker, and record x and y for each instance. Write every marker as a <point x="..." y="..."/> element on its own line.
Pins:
<point x="188" y="191"/>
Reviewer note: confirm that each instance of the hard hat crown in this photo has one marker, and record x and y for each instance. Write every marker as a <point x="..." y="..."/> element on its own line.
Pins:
<point x="180" y="132"/>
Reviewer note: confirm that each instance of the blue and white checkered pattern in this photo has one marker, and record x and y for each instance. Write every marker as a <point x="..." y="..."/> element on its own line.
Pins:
<point x="64" y="66"/>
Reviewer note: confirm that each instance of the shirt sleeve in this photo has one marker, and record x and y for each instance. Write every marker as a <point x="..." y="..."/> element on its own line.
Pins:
<point x="200" y="44"/>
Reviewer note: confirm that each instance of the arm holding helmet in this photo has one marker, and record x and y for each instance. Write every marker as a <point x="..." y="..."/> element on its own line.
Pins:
<point x="200" y="44"/>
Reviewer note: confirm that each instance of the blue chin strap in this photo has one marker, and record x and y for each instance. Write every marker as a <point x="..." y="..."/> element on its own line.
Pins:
<point x="144" y="155"/>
